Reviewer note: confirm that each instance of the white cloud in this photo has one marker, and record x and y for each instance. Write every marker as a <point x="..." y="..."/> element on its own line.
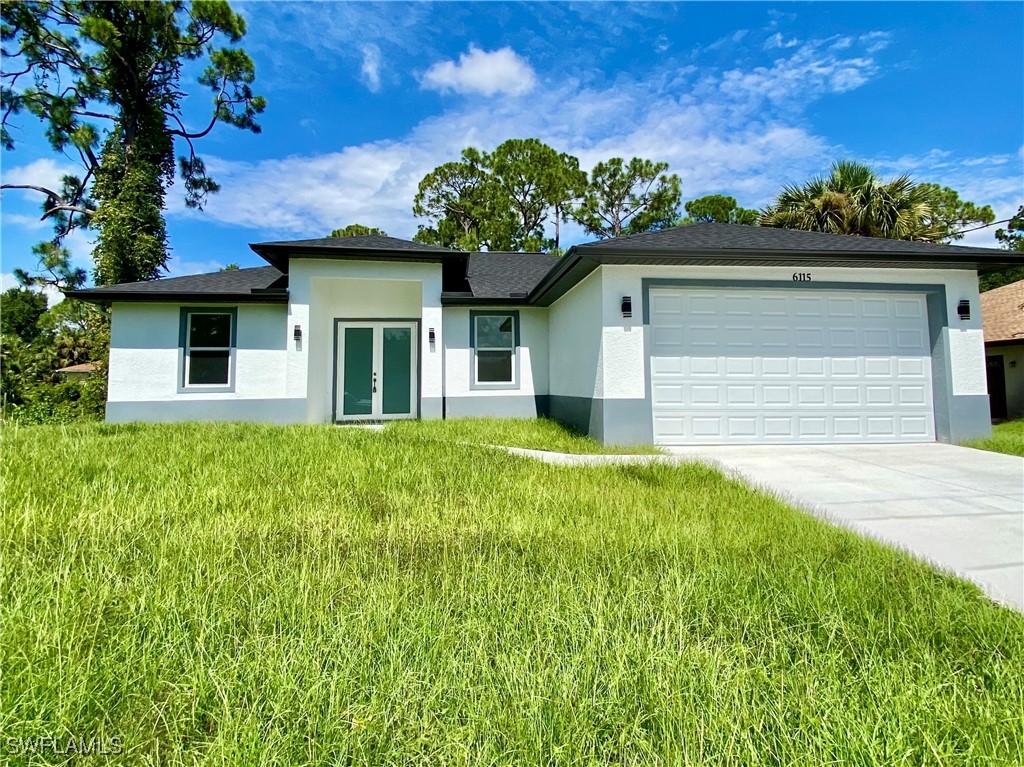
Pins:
<point x="875" y="41"/>
<point x="740" y="132"/>
<point x="45" y="172"/>
<point x="721" y="42"/>
<point x="778" y="41"/>
<point x="994" y="180"/>
<point x="810" y="71"/>
<point x="324" y="36"/>
<point x="710" y="146"/>
<point x="370" y="69"/>
<point x="29" y="223"/>
<point x="479" y="71"/>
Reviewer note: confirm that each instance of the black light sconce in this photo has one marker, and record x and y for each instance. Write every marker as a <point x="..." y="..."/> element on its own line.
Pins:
<point x="963" y="309"/>
<point x="297" y="334"/>
<point x="1013" y="363"/>
<point x="431" y="335"/>
<point x="627" y="307"/>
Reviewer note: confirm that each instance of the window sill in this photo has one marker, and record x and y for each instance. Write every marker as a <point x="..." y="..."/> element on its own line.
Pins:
<point x="226" y="389"/>
<point x="493" y="386"/>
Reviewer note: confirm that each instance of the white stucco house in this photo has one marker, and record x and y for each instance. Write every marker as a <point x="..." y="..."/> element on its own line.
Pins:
<point x="712" y="333"/>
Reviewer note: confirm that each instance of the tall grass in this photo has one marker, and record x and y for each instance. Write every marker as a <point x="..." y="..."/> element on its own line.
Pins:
<point x="229" y="594"/>
<point x="1006" y="438"/>
<point x="531" y="433"/>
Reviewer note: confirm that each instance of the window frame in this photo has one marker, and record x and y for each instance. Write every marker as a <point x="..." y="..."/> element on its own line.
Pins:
<point x="474" y="382"/>
<point x="184" y="349"/>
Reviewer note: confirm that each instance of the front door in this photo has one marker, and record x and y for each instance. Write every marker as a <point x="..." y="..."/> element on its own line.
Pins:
<point x="996" y="386"/>
<point x="375" y="371"/>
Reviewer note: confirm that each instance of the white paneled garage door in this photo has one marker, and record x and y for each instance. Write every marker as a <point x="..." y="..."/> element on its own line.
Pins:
<point x="760" y="366"/>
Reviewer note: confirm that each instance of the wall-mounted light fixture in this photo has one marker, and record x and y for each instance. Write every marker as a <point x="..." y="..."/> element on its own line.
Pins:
<point x="297" y="333"/>
<point x="1013" y="363"/>
<point x="627" y="307"/>
<point x="963" y="309"/>
<point x="431" y="336"/>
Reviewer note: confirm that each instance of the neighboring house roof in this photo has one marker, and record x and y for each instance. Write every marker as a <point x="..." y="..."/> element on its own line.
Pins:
<point x="1001" y="313"/>
<point x="260" y="283"/>
<point x="82" y="368"/>
<point x="495" y="277"/>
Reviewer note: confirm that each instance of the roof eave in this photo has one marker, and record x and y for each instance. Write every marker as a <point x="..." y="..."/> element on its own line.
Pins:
<point x="1005" y="341"/>
<point x="583" y="260"/>
<point x="107" y="297"/>
<point x="461" y="299"/>
<point x="969" y="255"/>
<point x="278" y="255"/>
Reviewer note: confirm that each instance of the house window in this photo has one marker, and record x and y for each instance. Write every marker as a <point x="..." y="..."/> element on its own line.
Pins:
<point x="495" y="338"/>
<point x="208" y="344"/>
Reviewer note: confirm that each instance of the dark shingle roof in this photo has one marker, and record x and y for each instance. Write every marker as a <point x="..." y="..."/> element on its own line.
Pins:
<point x="367" y="247"/>
<point x="738" y="237"/>
<point x="507" y="277"/>
<point x="234" y="284"/>
<point x="499" y="275"/>
<point x="360" y="242"/>
<point x="739" y="245"/>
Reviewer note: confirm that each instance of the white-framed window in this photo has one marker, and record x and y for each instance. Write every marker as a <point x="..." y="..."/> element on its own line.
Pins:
<point x="495" y="338"/>
<point x="208" y="342"/>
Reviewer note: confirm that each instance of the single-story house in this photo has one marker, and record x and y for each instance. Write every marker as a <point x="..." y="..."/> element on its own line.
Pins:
<point x="1002" y="318"/>
<point x="711" y="333"/>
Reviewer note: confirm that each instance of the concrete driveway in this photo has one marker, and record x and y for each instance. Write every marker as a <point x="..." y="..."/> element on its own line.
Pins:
<point x="959" y="508"/>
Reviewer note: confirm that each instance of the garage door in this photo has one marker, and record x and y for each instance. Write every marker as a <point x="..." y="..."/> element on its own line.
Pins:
<point x="789" y="366"/>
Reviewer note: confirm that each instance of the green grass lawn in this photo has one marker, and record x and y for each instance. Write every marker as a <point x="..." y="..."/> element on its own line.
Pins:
<point x="534" y="433"/>
<point x="252" y="595"/>
<point x="1006" y="438"/>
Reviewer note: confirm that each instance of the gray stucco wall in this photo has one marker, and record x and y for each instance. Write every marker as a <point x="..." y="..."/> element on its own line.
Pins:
<point x="496" y="405"/>
<point x="280" y="411"/>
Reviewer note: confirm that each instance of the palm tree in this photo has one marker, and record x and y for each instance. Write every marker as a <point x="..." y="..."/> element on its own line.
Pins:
<point x="854" y="200"/>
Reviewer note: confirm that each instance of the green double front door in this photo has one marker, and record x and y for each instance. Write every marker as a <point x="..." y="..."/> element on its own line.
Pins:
<point x="376" y="370"/>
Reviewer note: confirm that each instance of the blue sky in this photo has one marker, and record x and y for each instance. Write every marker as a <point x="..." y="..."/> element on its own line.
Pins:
<point x="364" y="99"/>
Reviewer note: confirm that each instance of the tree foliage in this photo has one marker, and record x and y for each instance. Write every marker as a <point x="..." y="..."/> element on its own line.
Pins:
<point x="718" y="208"/>
<point x="501" y="200"/>
<point x="852" y="199"/>
<point x="22" y="310"/>
<point x="35" y="342"/>
<point x="535" y="181"/>
<point x="105" y="80"/>
<point x="629" y="198"/>
<point x="455" y="197"/>
<point x="54" y="268"/>
<point x="949" y="215"/>
<point x="516" y="196"/>
<point x="357" y="230"/>
<point x="1010" y="238"/>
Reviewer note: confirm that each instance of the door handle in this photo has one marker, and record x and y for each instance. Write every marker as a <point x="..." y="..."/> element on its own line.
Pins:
<point x="374" y="383"/>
